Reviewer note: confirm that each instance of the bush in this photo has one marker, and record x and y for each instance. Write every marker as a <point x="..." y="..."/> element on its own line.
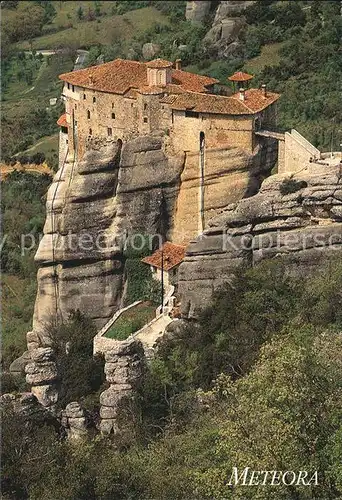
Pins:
<point x="289" y="186"/>
<point x="80" y="373"/>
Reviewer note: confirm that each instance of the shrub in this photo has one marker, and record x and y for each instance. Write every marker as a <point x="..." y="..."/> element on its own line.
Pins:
<point x="80" y="373"/>
<point x="290" y="185"/>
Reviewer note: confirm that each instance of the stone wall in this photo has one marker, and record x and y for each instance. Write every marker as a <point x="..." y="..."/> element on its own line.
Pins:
<point x="229" y="176"/>
<point x="123" y="126"/>
<point x="298" y="152"/>
<point x="220" y="131"/>
<point x="123" y="369"/>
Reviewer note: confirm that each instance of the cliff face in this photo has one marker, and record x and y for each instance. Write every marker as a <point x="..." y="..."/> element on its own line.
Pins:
<point x="91" y="206"/>
<point x="297" y="219"/>
<point x="116" y="191"/>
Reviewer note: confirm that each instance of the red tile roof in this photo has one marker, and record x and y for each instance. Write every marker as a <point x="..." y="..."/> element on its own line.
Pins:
<point x="208" y="103"/>
<point x="120" y="75"/>
<point x="239" y="76"/>
<point x="172" y="256"/>
<point x="217" y="104"/>
<point x="159" y="64"/>
<point x="255" y="100"/>
<point x="62" y="122"/>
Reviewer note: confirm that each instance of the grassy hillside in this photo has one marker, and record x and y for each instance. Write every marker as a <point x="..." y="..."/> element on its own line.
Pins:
<point x="26" y="112"/>
<point x="105" y="29"/>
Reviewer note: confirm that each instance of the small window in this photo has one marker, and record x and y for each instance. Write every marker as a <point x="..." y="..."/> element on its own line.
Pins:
<point x="88" y="114"/>
<point x="145" y="106"/>
<point x="90" y="132"/>
<point x="73" y="88"/>
<point x="145" y="119"/>
<point x="84" y="96"/>
<point x="109" y="132"/>
<point x="94" y="99"/>
<point x="75" y="106"/>
<point x="191" y="114"/>
<point x="113" y="116"/>
<point x="112" y="105"/>
<point x="68" y="85"/>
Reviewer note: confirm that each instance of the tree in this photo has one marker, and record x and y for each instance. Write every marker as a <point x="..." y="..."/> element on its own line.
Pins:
<point x="281" y="416"/>
<point x="80" y="13"/>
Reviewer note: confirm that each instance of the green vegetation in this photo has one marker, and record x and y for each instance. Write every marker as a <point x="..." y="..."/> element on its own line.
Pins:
<point x="23" y="217"/>
<point x="269" y="56"/>
<point x="131" y="321"/>
<point x="290" y="185"/>
<point x="83" y="374"/>
<point x="140" y="283"/>
<point x="273" y="376"/>
<point x="308" y="73"/>
<point x="18" y="295"/>
<point x="89" y="30"/>
<point x="27" y="115"/>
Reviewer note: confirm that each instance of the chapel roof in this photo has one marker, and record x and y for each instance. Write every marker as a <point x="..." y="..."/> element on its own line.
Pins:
<point x="172" y="256"/>
<point x="240" y="76"/>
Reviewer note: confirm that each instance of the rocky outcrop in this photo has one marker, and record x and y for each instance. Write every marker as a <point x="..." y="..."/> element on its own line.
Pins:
<point x="297" y="219"/>
<point x="25" y="405"/>
<point x="150" y="50"/>
<point x="197" y="11"/>
<point x="74" y="421"/>
<point x="41" y="372"/>
<point x="123" y="369"/>
<point x="17" y="367"/>
<point x="92" y="205"/>
<point x="226" y="27"/>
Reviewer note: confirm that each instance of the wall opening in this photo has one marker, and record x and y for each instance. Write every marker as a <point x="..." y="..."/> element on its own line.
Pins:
<point x="94" y="99"/>
<point x="191" y="114"/>
<point x="88" y="114"/>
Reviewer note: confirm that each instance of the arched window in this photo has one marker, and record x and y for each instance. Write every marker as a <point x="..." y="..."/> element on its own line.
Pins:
<point x="90" y="132"/>
<point x="88" y="114"/>
<point x="94" y="99"/>
<point x="113" y="116"/>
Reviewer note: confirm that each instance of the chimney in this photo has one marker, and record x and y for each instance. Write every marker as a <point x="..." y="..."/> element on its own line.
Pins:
<point x="242" y="94"/>
<point x="178" y="64"/>
<point x="263" y="90"/>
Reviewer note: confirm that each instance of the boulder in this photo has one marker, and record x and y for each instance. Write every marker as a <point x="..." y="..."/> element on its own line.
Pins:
<point x="150" y="50"/>
<point x="17" y="367"/>
<point x="197" y="11"/>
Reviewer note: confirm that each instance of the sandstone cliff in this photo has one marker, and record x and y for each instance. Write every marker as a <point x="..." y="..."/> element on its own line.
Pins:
<point x="297" y="219"/>
<point x="114" y="192"/>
